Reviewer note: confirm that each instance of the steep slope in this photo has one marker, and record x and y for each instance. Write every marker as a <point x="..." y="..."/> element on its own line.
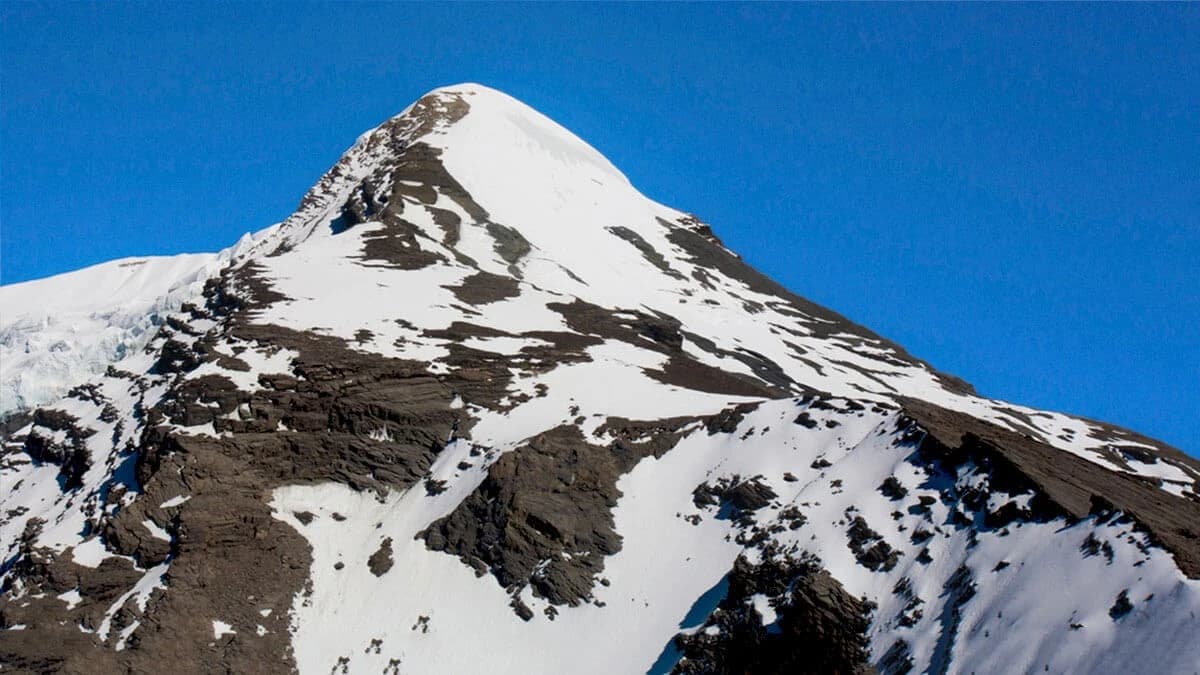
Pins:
<point x="479" y="405"/>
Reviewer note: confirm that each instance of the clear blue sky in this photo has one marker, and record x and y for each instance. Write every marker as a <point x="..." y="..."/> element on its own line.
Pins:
<point x="1011" y="191"/>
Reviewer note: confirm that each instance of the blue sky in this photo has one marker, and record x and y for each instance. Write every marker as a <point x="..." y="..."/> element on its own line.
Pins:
<point x="1010" y="191"/>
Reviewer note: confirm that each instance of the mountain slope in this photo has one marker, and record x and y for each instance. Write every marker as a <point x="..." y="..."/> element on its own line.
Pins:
<point x="479" y="403"/>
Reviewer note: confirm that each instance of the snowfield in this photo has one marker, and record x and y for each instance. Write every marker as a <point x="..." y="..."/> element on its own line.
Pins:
<point x="660" y="581"/>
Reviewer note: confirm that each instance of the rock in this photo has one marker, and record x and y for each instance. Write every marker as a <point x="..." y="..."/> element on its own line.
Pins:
<point x="381" y="560"/>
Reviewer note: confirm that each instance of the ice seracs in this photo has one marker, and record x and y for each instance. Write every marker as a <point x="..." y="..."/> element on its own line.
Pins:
<point x="58" y="331"/>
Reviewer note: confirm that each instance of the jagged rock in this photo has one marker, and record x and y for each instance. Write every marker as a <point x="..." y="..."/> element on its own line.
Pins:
<point x="818" y="627"/>
<point x="381" y="560"/>
<point x="550" y="497"/>
<point x="869" y="548"/>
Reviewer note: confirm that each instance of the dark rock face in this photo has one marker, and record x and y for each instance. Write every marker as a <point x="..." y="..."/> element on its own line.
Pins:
<point x="648" y="252"/>
<point x="818" y="626"/>
<point x="552" y="496"/>
<point x="125" y="532"/>
<point x="728" y="420"/>
<point x="482" y="288"/>
<point x="71" y="455"/>
<point x="892" y="489"/>
<point x="897" y="660"/>
<point x="1063" y="484"/>
<point x="958" y="589"/>
<point x="869" y="548"/>
<point x="1121" y="606"/>
<point x="381" y="560"/>
<point x="805" y="420"/>
<point x="707" y="251"/>
<point x="735" y="499"/>
<point x="661" y="333"/>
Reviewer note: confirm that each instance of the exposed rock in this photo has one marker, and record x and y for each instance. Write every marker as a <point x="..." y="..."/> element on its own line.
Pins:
<point x="869" y="548"/>
<point x="482" y="288"/>
<point x="707" y="251"/>
<point x="1121" y="606"/>
<point x="381" y="560"/>
<point x="1062" y="483"/>
<point x="819" y="627"/>
<point x="727" y="421"/>
<point x="736" y="499"/>
<point x="553" y="495"/>
<point x="648" y="252"/>
<point x="892" y="489"/>
<point x="71" y="455"/>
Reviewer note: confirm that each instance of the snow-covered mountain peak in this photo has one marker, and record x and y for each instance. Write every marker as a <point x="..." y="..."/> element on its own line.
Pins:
<point x="500" y="134"/>
<point x="485" y="139"/>
<point x="478" y="391"/>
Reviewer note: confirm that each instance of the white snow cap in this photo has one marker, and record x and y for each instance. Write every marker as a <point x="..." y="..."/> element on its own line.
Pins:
<point x="503" y="130"/>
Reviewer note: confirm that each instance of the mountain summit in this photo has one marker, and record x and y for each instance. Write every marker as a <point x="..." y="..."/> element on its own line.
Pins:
<point x="480" y="406"/>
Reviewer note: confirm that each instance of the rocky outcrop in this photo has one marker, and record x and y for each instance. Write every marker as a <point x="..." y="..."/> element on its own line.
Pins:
<point x="550" y="497"/>
<point x="814" y="626"/>
<point x="1064" y="484"/>
<point x="70" y="452"/>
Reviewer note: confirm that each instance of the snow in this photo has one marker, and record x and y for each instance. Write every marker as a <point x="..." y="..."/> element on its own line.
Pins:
<point x="57" y="331"/>
<point x="764" y="608"/>
<point x="221" y="628"/>
<point x="151" y="579"/>
<point x="628" y="392"/>
<point x="156" y="531"/>
<point x="666" y="565"/>
<point x="260" y="361"/>
<point x="71" y="597"/>
<point x="174" y="501"/>
<point x="32" y="488"/>
<point x="90" y="553"/>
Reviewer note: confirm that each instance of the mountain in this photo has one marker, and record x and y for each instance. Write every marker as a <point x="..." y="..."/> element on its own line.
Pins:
<point x="480" y="406"/>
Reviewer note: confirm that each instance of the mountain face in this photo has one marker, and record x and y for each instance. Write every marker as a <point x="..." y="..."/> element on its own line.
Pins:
<point x="480" y="406"/>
